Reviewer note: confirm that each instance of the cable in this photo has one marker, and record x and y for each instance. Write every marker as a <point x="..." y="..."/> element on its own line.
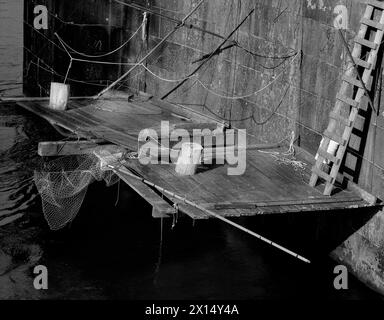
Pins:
<point x="247" y="95"/>
<point x="166" y="80"/>
<point x="106" y="62"/>
<point x="105" y="54"/>
<point x="176" y="28"/>
<point x="42" y="34"/>
<point x="261" y="123"/>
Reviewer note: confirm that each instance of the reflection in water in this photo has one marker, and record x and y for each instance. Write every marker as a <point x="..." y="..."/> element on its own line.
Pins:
<point x="17" y="154"/>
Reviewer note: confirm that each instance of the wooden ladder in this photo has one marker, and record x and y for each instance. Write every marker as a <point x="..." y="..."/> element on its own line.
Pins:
<point x="361" y="83"/>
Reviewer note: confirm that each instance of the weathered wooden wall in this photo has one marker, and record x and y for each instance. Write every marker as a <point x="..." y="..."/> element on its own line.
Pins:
<point x="269" y="31"/>
<point x="278" y="27"/>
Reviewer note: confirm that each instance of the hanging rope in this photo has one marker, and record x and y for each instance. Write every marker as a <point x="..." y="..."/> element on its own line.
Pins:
<point x="70" y="56"/>
<point x="176" y="28"/>
<point x="212" y="54"/>
<point x="287" y="157"/>
<point x="250" y="94"/>
<point x="100" y="55"/>
<point x="166" y="80"/>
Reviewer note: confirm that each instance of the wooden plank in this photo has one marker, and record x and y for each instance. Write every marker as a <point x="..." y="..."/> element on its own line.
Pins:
<point x="164" y="178"/>
<point x="376" y="4"/>
<point x="56" y="118"/>
<point x="328" y="156"/>
<point x="61" y="148"/>
<point x="366" y="43"/>
<point x="322" y="174"/>
<point x="368" y="197"/>
<point x="185" y="111"/>
<point x="347" y="100"/>
<point x="333" y="136"/>
<point x="372" y="23"/>
<point x="196" y="188"/>
<point x="36" y="99"/>
<point x="362" y="63"/>
<point x="90" y="119"/>
<point x="208" y="193"/>
<point x="162" y="207"/>
<point x="356" y="82"/>
<point x="342" y="119"/>
<point x="211" y="187"/>
<point x="279" y="203"/>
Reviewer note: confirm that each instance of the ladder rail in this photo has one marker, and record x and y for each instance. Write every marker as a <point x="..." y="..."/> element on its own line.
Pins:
<point x="333" y="125"/>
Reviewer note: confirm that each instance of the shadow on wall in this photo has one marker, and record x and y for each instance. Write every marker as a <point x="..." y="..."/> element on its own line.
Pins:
<point x="312" y="234"/>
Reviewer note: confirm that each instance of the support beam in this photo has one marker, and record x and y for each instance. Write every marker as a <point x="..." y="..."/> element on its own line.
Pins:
<point x="160" y="208"/>
<point x="67" y="148"/>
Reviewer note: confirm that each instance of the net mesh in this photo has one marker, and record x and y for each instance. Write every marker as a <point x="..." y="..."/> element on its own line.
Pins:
<point x="63" y="183"/>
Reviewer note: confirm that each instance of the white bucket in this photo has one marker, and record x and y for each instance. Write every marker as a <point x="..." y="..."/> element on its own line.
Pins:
<point x="189" y="158"/>
<point x="59" y="95"/>
<point x="332" y="149"/>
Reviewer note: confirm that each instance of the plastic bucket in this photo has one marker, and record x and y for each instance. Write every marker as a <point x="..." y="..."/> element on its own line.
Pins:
<point x="59" y="96"/>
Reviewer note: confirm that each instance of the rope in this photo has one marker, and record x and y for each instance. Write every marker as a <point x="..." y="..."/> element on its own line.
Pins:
<point x="166" y="80"/>
<point x="251" y="94"/>
<point x="152" y="51"/>
<point x="208" y="59"/>
<point x="106" y="62"/>
<point x="287" y="157"/>
<point x="105" y="54"/>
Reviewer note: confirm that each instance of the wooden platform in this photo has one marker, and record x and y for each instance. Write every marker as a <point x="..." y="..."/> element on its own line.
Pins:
<point x="116" y="121"/>
<point x="266" y="187"/>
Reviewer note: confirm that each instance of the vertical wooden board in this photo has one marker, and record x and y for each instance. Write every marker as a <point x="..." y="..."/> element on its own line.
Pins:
<point x="378" y="159"/>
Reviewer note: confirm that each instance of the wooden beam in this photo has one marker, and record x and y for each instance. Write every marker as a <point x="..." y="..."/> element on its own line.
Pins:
<point x="65" y="148"/>
<point x="186" y="112"/>
<point x="370" y="198"/>
<point x="209" y="153"/>
<point x="27" y="99"/>
<point x="279" y="203"/>
<point x="161" y="208"/>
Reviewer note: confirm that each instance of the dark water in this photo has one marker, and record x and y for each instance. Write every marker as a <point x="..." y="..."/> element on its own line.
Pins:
<point x="115" y="252"/>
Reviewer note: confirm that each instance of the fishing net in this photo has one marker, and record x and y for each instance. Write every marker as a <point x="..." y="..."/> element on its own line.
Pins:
<point x="63" y="183"/>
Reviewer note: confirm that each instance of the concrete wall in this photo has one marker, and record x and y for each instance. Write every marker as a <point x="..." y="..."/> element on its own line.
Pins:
<point x="277" y="28"/>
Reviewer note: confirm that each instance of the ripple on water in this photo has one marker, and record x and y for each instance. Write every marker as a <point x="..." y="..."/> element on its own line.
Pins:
<point x="18" y="140"/>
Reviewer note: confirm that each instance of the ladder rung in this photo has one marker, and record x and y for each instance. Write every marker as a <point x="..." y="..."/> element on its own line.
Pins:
<point x="356" y="82"/>
<point x="339" y="117"/>
<point x="348" y="170"/>
<point x="327" y="155"/>
<point x="357" y="132"/>
<point x="373" y="24"/>
<point x="333" y="136"/>
<point x="366" y="43"/>
<point x="375" y="3"/>
<point x="362" y="63"/>
<point x="348" y="101"/>
<point x="322" y="174"/>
